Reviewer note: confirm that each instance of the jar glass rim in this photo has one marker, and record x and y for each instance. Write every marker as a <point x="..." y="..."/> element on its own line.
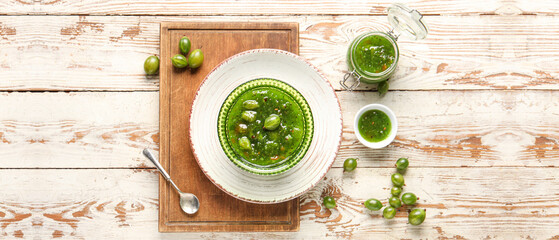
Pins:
<point x="364" y="73"/>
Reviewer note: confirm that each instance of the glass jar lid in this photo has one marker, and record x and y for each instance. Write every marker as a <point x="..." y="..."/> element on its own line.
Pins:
<point x="407" y="21"/>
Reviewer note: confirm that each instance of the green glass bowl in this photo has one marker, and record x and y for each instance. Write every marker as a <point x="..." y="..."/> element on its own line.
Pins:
<point x="289" y="161"/>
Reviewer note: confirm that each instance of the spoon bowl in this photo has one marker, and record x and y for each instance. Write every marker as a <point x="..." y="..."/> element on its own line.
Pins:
<point x="189" y="203"/>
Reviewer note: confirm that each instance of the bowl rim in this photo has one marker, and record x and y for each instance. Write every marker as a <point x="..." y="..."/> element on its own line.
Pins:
<point x="292" y="92"/>
<point x="276" y="51"/>
<point x="393" y="121"/>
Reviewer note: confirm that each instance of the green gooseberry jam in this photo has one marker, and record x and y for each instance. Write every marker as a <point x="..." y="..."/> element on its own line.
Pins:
<point x="374" y="54"/>
<point x="374" y="125"/>
<point x="265" y="126"/>
<point x="373" y="57"/>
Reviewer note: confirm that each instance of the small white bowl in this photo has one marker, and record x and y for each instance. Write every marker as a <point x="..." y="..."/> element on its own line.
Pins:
<point x="393" y="121"/>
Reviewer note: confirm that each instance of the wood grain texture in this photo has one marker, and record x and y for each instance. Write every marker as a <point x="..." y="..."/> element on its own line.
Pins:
<point x="218" y="211"/>
<point x="461" y="203"/>
<point x="462" y="129"/>
<point x="442" y="128"/>
<point x="483" y="161"/>
<point x="95" y="129"/>
<point x="106" y="53"/>
<point x="259" y="7"/>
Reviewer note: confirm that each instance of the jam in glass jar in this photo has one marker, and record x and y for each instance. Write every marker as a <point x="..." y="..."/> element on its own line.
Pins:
<point x="372" y="57"/>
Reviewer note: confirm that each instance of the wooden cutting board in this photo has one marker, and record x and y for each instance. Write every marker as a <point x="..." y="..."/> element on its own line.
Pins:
<point x="218" y="211"/>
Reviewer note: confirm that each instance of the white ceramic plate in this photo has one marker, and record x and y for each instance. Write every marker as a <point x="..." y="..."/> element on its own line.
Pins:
<point x="289" y="68"/>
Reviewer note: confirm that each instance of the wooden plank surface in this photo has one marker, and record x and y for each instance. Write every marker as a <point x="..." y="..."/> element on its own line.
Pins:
<point x="102" y="53"/>
<point x="483" y="161"/>
<point x="259" y="7"/>
<point x="53" y="128"/>
<point x="461" y="203"/>
<point x="442" y="128"/>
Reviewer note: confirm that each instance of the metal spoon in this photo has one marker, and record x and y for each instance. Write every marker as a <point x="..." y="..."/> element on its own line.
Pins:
<point x="188" y="201"/>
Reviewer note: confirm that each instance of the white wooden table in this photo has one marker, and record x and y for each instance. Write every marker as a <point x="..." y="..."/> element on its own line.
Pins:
<point x="477" y="103"/>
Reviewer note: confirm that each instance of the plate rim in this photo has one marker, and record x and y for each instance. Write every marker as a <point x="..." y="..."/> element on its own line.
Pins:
<point x="275" y="51"/>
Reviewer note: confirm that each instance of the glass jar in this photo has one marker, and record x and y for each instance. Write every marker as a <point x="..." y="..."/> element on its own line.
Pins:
<point x="373" y="57"/>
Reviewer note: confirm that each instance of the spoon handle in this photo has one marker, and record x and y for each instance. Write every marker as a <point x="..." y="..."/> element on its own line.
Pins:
<point x="164" y="173"/>
<point x="150" y="156"/>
